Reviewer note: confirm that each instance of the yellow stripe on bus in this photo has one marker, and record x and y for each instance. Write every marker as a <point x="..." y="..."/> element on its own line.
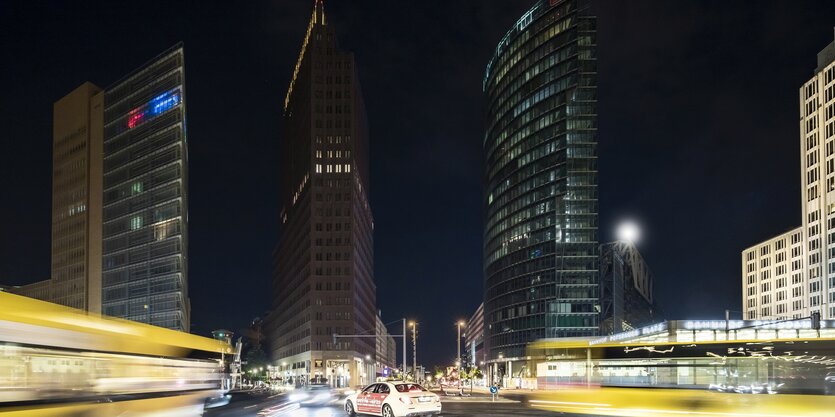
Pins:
<point x="110" y="334"/>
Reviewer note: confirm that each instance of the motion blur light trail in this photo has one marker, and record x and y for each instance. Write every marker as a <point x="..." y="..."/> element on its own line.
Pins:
<point x="635" y="402"/>
<point x="58" y="361"/>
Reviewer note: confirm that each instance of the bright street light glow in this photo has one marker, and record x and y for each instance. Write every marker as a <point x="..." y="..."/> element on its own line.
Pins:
<point x="628" y="231"/>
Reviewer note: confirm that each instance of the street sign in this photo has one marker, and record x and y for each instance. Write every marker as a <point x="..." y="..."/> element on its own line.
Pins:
<point x="494" y="389"/>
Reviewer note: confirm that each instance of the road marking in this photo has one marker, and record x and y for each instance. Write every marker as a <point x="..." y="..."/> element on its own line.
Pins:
<point x="250" y="406"/>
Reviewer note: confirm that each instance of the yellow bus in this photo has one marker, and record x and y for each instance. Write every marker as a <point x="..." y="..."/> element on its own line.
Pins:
<point x="789" y="366"/>
<point x="778" y="375"/>
<point x="58" y="361"/>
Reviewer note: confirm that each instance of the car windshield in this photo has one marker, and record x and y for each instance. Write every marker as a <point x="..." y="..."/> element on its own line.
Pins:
<point x="408" y="388"/>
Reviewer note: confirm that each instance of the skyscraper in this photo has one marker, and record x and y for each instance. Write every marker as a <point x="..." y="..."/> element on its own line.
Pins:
<point x="792" y="275"/>
<point x="76" y="199"/>
<point x="76" y="203"/>
<point x="540" y="234"/>
<point x="323" y="284"/>
<point x="145" y="276"/>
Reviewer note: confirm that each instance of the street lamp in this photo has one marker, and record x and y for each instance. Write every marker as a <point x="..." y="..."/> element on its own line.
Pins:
<point x="414" y="350"/>
<point x="459" y="324"/>
<point x="629" y="232"/>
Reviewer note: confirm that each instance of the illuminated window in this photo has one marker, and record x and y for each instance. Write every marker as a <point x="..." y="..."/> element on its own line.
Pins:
<point x="163" y="230"/>
<point x="156" y="106"/>
<point x="136" y="188"/>
<point x="135" y="222"/>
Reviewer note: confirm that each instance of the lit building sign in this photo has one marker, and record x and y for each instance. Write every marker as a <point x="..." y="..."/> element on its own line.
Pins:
<point x="156" y="106"/>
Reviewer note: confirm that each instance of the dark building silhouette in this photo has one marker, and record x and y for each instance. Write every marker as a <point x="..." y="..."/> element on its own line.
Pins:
<point x="323" y="281"/>
<point x="626" y="289"/>
<point x="541" y="219"/>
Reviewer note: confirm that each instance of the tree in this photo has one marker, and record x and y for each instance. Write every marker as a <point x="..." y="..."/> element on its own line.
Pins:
<point x="256" y="358"/>
<point x="475" y="373"/>
<point x="439" y="373"/>
<point x="463" y="375"/>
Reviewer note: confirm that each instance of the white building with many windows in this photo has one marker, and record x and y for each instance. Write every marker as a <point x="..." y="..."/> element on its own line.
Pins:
<point x="793" y="275"/>
<point x="774" y="278"/>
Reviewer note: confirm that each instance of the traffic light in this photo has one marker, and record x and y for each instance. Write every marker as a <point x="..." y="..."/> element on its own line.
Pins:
<point x="816" y="320"/>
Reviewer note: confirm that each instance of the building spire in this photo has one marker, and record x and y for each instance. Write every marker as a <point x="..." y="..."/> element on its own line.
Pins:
<point x="319" y="11"/>
<point x="318" y="17"/>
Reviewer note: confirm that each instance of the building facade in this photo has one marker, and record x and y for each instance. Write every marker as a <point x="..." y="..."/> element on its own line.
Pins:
<point x="540" y="235"/>
<point x="793" y="275"/>
<point x="323" y="286"/>
<point x="77" y="199"/>
<point x="626" y="289"/>
<point x="474" y="339"/>
<point x="386" y="356"/>
<point x="145" y="215"/>
<point x="41" y="290"/>
<point x="76" y="203"/>
<point x="774" y="278"/>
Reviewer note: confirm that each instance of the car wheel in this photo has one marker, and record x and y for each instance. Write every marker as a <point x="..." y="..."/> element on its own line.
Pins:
<point x="349" y="409"/>
<point x="387" y="411"/>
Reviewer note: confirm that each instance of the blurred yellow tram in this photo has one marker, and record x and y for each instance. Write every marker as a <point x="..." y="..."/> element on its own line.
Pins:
<point x="58" y="361"/>
<point x="739" y="377"/>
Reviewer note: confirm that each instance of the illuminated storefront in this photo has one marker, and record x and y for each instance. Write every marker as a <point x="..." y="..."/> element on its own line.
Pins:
<point x="748" y="356"/>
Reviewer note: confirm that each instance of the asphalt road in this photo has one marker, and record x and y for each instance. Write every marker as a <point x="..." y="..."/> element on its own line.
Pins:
<point x="248" y="405"/>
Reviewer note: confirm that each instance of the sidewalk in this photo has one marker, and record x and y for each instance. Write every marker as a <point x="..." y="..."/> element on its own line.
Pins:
<point x="479" y="395"/>
<point x="476" y="399"/>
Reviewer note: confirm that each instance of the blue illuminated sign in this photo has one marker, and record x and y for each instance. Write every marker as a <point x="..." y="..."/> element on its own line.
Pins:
<point x="158" y="105"/>
<point x="163" y="102"/>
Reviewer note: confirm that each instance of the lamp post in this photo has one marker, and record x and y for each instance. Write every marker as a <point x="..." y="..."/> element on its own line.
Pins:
<point x="458" y="360"/>
<point x="404" y="347"/>
<point x="414" y="350"/>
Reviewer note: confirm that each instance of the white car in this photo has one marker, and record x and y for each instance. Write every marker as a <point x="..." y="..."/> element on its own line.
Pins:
<point x="393" y="399"/>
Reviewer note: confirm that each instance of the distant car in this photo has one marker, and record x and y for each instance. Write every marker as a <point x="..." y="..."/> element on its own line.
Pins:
<point x="317" y="394"/>
<point x="393" y="399"/>
<point x="829" y="383"/>
<point x="218" y="401"/>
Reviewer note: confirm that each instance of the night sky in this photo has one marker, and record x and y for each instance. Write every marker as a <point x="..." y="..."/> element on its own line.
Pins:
<point x="698" y="131"/>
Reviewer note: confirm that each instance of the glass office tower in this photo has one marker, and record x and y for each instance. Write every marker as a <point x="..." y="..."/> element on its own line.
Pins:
<point x="145" y="195"/>
<point x="540" y="236"/>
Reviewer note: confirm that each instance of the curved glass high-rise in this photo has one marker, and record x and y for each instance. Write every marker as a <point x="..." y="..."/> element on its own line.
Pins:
<point x="540" y="235"/>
